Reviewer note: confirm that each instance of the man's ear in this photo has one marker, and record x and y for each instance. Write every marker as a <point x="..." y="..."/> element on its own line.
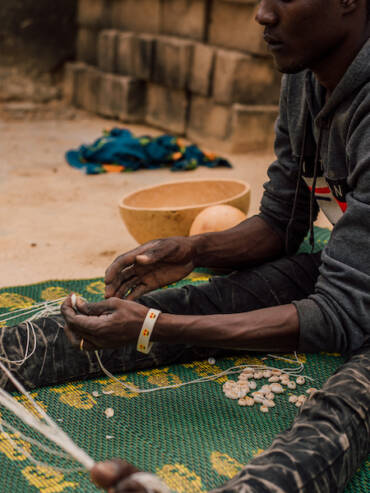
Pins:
<point x="349" y="6"/>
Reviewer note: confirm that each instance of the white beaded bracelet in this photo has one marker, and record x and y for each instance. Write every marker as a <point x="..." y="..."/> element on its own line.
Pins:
<point x="143" y="343"/>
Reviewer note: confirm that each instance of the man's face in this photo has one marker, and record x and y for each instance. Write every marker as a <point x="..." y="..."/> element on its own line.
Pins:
<point x="301" y="33"/>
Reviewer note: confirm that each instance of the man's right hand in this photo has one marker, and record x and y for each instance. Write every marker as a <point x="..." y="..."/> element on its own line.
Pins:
<point x="150" y="266"/>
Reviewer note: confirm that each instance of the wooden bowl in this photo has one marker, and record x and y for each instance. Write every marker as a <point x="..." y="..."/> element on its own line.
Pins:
<point x="170" y="208"/>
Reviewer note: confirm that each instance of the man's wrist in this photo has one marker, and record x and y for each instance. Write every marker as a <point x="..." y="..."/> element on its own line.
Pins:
<point x="198" y="245"/>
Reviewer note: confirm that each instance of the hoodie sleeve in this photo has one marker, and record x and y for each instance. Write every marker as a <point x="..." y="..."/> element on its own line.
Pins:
<point x="278" y="198"/>
<point x="342" y="293"/>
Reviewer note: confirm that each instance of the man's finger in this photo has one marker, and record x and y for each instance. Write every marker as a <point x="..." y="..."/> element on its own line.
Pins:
<point x="102" y="307"/>
<point x="125" y="290"/>
<point x="67" y="309"/>
<point x="119" y="264"/>
<point x="138" y="291"/>
<point x="108" y="474"/>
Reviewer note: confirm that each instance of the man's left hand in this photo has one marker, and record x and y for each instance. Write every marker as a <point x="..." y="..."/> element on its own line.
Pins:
<point x="106" y="324"/>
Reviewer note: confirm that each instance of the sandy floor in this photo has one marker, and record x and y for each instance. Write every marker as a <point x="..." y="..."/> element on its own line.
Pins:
<point x="58" y="223"/>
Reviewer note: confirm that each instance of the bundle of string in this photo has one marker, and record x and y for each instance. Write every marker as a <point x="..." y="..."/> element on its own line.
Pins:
<point x="45" y="425"/>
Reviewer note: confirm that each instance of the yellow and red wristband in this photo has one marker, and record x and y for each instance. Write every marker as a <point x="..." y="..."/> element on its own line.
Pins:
<point x="143" y="343"/>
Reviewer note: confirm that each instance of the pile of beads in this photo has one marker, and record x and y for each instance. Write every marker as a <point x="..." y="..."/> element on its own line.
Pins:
<point x="245" y="388"/>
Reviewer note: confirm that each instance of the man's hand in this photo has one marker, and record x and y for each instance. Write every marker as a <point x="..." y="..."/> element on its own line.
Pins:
<point x="107" y="324"/>
<point x="117" y="476"/>
<point x="114" y="476"/>
<point x="150" y="266"/>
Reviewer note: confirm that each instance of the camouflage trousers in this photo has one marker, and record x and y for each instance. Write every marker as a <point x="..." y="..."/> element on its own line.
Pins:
<point x="327" y="441"/>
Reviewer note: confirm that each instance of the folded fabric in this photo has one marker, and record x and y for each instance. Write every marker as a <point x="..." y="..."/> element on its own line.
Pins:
<point x="118" y="151"/>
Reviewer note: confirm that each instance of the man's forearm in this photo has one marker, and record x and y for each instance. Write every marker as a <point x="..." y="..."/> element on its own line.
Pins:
<point x="268" y="329"/>
<point x="250" y="242"/>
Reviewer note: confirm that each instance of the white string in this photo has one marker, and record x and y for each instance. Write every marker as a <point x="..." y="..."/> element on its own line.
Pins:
<point x="35" y="306"/>
<point x="29" y="456"/>
<point x="229" y="371"/>
<point x="43" y="310"/>
<point x="48" y="427"/>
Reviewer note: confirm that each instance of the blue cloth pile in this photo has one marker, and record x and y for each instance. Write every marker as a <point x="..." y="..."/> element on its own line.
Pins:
<point x="119" y="151"/>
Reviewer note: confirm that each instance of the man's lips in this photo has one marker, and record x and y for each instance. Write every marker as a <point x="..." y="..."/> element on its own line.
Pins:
<point x="274" y="43"/>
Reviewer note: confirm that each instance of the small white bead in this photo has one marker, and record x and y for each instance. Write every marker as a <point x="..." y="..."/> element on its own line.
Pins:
<point x="270" y="396"/>
<point x="267" y="374"/>
<point x="300" y="380"/>
<point x="243" y="377"/>
<point x="265" y="389"/>
<point x="258" y="397"/>
<point x="291" y="385"/>
<point x="246" y="401"/>
<point x="232" y="395"/>
<point x="211" y="361"/>
<point x="276" y="371"/>
<point x="258" y="375"/>
<point x="311" y="390"/>
<point x="244" y="386"/>
<point x="274" y="379"/>
<point x="264" y="409"/>
<point x="293" y="399"/>
<point x="74" y="301"/>
<point x="109" y="412"/>
<point x="276" y="388"/>
<point x="268" y="403"/>
<point x="252" y="384"/>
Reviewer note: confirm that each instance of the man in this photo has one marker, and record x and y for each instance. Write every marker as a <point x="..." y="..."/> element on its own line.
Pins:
<point x="275" y="300"/>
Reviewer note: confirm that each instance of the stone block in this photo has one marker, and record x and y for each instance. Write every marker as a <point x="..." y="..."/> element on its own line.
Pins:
<point x="185" y="18"/>
<point x="232" y="25"/>
<point x="121" y="97"/>
<point x="136" y="15"/>
<point x="172" y="62"/>
<point x="72" y="71"/>
<point x="107" y="50"/>
<point x="167" y="108"/>
<point x="125" y="50"/>
<point x="244" y="78"/>
<point x="143" y="56"/>
<point x="208" y="121"/>
<point x="201" y="77"/>
<point x="253" y="127"/>
<point x="89" y="90"/>
<point x="135" y="55"/>
<point x="94" y="13"/>
<point x="87" y="45"/>
<point x="235" y="128"/>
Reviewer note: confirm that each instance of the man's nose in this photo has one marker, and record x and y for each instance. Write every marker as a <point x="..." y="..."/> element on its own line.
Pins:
<point x="266" y="13"/>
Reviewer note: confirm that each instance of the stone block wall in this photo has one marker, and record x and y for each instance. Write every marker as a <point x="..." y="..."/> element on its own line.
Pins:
<point x="197" y="68"/>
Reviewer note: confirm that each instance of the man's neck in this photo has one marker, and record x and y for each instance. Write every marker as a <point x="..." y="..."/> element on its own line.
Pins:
<point x="331" y="69"/>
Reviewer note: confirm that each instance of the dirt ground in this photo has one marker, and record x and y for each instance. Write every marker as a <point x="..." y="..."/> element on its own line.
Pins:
<point x="58" y="223"/>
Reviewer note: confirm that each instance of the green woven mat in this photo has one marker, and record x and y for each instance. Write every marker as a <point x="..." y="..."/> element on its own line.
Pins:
<point x="193" y="437"/>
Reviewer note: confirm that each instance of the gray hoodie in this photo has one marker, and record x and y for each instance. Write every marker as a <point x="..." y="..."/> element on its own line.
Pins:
<point x="325" y="146"/>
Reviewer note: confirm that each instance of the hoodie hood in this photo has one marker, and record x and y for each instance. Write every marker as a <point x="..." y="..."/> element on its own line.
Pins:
<point x="356" y="76"/>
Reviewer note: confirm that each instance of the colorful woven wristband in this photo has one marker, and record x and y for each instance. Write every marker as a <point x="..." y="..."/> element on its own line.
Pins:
<point x="143" y="343"/>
